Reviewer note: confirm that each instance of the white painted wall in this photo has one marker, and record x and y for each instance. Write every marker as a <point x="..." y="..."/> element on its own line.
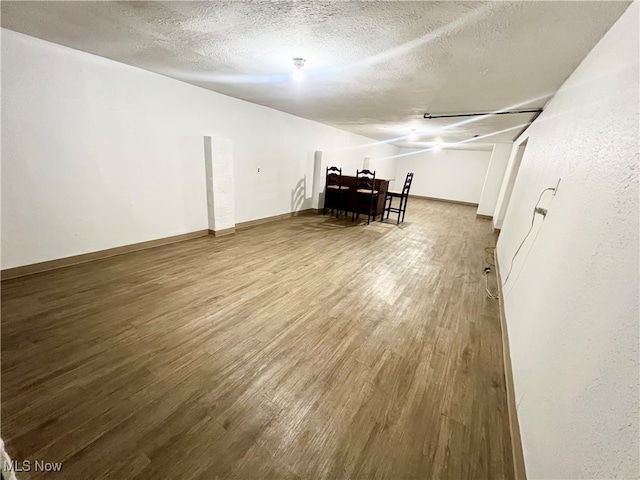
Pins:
<point x="508" y="182"/>
<point x="97" y="154"/>
<point x="572" y="300"/>
<point x="449" y="174"/>
<point x="493" y="179"/>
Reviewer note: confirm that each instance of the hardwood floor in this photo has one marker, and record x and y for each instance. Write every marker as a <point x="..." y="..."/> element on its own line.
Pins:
<point x="303" y="348"/>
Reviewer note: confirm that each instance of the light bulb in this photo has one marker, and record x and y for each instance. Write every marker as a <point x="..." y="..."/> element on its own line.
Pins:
<point x="298" y="63"/>
<point x="437" y="147"/>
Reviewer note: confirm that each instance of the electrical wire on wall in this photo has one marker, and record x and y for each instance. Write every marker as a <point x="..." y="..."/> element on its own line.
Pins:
<point x="490" y="260"/>
<point x="536" y="210"/>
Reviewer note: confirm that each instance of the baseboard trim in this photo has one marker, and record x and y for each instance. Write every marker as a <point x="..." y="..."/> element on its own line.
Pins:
<point x="33" y="268"/>
<point x="457" y="202"/>
<point x="260" y="221"/>
<point x="520" y="472"/>
<point x="487" y="217"/>
<point x="223" y="232"/>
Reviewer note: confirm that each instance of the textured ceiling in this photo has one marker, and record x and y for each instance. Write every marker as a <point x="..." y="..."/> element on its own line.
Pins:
<point x="373" y="68"/>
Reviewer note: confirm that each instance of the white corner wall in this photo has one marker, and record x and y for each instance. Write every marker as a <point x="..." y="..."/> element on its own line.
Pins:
<point x="97" y="154"/>
<point x="448" y="174"/>
<point x="493" y="179"/>
<point x="572" y="300"/>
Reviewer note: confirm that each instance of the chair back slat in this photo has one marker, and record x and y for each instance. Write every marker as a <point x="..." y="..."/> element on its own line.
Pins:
<point x="366" y="194"/>
<point x="334" y="176"/>
<point x="336" y="193"/>
<point x="365" y="180"/>
<point x="407" y="183"/>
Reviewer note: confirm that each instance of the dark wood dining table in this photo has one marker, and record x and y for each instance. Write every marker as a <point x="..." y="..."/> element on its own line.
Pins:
<point x="381" y="185"/>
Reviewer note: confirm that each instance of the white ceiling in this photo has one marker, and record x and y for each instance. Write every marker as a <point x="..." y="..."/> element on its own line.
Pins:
<point x="373" y="68"/>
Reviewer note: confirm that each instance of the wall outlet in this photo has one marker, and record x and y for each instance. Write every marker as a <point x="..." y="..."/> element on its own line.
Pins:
<point x="541" y="211"/>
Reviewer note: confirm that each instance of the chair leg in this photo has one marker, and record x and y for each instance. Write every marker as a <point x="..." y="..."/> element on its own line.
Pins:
<point x="384" y="206"/>
<point x="404" y="210"/>
<point x="369" y="210"/>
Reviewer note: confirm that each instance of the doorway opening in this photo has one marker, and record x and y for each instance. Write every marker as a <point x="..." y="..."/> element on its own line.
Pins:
<point x="509" y="182"/>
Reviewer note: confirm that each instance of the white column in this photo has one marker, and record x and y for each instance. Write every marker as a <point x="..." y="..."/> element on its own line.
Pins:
<point x="317" y="195"/>
<point x="493" y="178"/>
<point x="218" y="155"/>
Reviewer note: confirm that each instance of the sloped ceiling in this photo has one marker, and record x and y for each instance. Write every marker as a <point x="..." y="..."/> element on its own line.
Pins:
<point x="373" y="68"/>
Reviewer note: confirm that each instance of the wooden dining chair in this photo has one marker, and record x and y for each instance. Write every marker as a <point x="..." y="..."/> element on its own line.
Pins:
<point x="403" y="196"/>
<point x="336" y="193"/>
<point x="366" y="195"/>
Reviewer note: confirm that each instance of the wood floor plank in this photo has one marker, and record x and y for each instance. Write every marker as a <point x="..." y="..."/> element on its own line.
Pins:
<point x="308" y="347"/>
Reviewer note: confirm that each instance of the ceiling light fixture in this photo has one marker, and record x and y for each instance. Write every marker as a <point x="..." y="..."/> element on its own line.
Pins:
<point x="437" y="147"/>
<point x="298" y="63"/>
<point x="413" y="136"/>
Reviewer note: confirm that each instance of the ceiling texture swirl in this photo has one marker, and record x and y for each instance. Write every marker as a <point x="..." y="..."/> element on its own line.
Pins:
<point x="373" y="68"/>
